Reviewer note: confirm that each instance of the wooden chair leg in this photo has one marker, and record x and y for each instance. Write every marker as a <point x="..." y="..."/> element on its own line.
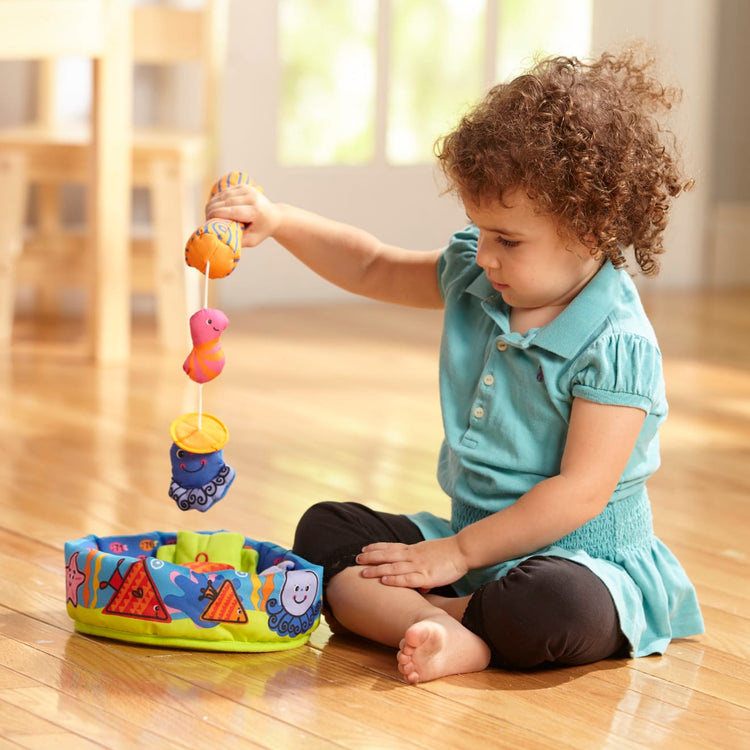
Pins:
<point x="176" y="285"/>
<point x="49" y="228"/>
<point x="13" y="197"/>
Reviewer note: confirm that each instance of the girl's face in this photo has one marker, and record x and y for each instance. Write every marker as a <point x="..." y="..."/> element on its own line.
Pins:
<point x="525" y="257"/>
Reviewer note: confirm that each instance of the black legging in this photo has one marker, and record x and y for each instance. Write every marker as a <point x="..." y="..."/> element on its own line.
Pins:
<point x="545" y="611"/>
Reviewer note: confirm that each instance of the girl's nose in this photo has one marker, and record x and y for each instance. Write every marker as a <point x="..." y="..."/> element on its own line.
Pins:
<point x="485" y="257"/>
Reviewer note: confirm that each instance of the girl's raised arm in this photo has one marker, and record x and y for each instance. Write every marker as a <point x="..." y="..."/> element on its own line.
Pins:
<point x="348" y="257"/>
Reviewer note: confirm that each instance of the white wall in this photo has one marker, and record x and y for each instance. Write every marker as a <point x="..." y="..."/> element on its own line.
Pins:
<point x="730" y="261"/>
<point x="682" y="34"/>
<point x="732" y="149"/>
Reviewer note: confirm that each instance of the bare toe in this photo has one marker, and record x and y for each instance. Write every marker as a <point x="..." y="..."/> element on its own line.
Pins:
<point x="438" y="647"/>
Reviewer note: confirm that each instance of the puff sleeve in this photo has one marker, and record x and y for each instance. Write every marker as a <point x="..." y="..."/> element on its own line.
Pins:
<point x="457" y="266"/>
<point x="621" y="370"/>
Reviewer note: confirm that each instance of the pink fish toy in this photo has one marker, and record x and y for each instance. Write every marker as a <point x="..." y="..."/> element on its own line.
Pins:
<point x="206" y="359"/>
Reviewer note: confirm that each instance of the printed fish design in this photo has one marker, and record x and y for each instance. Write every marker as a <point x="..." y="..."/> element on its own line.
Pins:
<point x="206" y="359"/>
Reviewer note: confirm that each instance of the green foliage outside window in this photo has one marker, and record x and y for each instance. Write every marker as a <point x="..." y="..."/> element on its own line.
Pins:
<point x="327" y="50"/>
<point x="535" y="28"/>
<point x="436" y="62"/>
<point x="437" y="49"/>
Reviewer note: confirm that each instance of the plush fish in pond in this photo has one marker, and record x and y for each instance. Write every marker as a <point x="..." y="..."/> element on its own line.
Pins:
<point x="206" y="359"/>
<point x="198" y="479"/>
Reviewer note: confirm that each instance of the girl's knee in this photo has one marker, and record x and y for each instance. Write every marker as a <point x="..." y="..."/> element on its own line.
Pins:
<point x="314" y="526"/>
<point x="332" y="534"/>
<point x="546" y="611"/>
<point x="314" y="516"/>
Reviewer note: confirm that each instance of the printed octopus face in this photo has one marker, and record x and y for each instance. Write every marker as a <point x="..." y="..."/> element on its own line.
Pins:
<point x="194" y="469"/>
<point x="299" y="591"/>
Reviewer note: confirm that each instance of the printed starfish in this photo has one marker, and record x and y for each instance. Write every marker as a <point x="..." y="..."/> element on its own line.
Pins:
<point x="74" y="579"/>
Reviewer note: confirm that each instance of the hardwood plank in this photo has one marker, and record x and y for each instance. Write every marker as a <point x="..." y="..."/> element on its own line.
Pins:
<point x="11" y="680"/>
<point x="26" y="728"/>
<point x="147" y="699"/>
<point x="274" y="685"/>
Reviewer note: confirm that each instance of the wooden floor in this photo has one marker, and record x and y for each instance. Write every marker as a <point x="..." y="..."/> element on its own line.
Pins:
<point x="341" y="403"/>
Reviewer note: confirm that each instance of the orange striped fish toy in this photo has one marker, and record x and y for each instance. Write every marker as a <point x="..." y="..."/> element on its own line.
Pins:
<point x="206" y="359"/>
<point x="218" y="242"/>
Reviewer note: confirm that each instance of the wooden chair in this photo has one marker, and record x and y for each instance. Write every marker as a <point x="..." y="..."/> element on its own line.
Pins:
<point x="171" y="163"/>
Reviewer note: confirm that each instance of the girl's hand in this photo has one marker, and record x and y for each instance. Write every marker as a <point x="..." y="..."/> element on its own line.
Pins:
<point x="422" y="566"/>
<point x="247" y="205"/>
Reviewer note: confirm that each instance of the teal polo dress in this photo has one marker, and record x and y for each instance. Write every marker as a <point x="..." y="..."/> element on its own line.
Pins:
<point x="506" y="401"/>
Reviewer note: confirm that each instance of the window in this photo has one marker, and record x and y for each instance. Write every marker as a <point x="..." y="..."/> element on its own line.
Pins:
<point x="529" y="28"/>
<point x="327" y="50"/>
<point x="435" y="72"/>
<point x="378" y="81"/>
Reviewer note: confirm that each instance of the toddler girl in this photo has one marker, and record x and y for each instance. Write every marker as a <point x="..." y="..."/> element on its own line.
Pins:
<point x="550" y="382"/>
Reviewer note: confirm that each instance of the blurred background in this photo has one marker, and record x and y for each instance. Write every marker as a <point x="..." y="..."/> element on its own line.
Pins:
<point x="335" y="105"/>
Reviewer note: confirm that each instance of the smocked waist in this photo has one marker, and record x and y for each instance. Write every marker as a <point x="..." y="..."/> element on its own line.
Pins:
<point x="625" y="523"/>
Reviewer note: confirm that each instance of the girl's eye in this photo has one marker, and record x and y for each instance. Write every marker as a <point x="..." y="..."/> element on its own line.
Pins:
<point x="507" y="243"/>
<point x="209" y="321"/>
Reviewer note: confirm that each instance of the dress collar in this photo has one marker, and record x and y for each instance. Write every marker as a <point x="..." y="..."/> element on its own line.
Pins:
<point x="576" y="323"/>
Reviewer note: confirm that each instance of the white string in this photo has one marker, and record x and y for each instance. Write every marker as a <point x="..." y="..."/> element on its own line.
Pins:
<point x="200" y="406"/>
<point x="200" y="385"/>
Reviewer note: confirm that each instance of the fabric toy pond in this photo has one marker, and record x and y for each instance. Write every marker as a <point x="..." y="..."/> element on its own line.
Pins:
<point x="212" y="590"/>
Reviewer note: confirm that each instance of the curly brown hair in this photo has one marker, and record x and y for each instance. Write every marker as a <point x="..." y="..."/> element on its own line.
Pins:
<point x="583" y="141"/>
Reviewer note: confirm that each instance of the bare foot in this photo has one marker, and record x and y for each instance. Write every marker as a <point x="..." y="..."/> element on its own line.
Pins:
<point x="440" y="646"/>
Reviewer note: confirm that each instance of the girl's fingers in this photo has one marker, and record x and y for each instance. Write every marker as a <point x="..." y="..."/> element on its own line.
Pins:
<point x="377" y="557"/>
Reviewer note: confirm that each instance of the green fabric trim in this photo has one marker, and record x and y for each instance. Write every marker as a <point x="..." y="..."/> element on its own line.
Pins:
<point x="198" y="644"/>
<point x="221" y="547"/>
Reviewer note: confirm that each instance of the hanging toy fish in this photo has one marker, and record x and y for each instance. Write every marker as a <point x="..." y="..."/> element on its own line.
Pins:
<point x="206" y="359"/>
<point x="198" y="479"/>
<point x="218" y="242"/>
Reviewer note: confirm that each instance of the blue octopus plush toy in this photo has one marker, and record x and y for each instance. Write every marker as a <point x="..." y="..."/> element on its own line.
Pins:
<point x="199" y="480"/>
